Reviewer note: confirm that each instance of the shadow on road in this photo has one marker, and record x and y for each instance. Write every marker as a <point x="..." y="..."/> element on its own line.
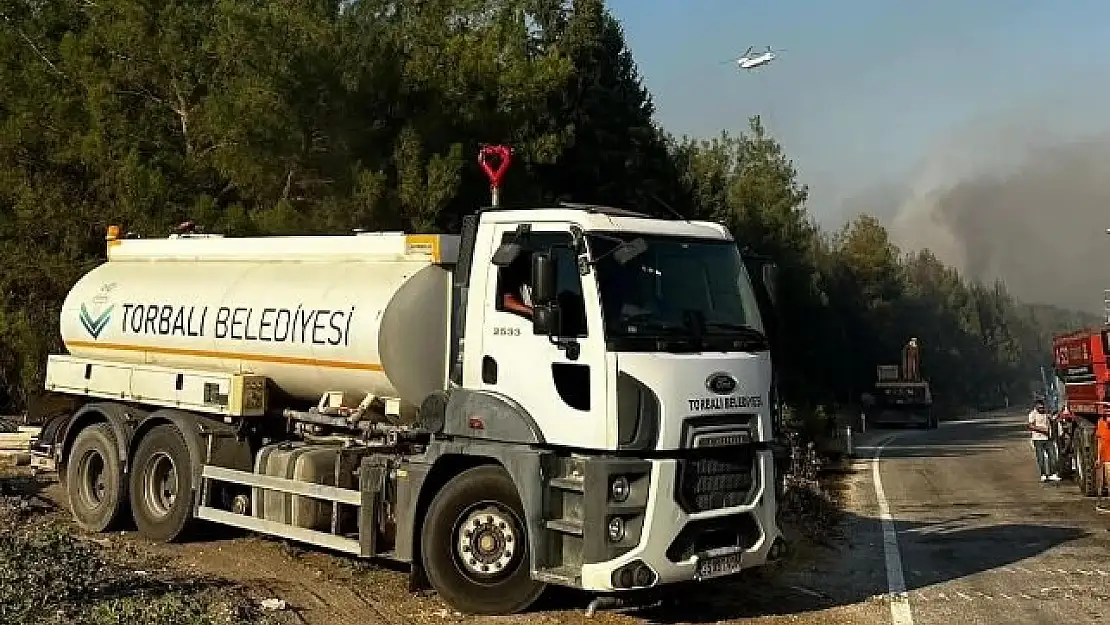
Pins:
<point x="844" y="578"/>
<point x="950" y="441"/>
<point x="970" y="540"/>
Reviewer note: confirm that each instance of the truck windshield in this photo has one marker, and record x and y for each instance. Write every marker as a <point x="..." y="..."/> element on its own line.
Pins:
<point x="675" y="293"/>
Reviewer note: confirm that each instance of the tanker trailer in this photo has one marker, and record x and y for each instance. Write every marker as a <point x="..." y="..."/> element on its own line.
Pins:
<point x="377" y="395"/>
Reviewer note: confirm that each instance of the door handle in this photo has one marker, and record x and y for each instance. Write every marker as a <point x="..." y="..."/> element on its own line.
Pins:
<point x="489" y="370"/>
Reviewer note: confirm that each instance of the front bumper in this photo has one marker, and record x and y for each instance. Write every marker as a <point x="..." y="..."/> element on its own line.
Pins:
<point x="673" y="541"/>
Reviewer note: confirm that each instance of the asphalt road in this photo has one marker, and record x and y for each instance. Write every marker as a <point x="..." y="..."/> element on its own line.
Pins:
<point x="970" y="534"/>
<point x="982" y="540"/>
<point x="946" y="527"/>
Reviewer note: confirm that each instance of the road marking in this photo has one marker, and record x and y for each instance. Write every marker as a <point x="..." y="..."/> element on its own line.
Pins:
<point x="1043" y="571"/>
<point x="900" y="613"/>
<point x="995" y="419"/>
<point x="1056" y="595"/>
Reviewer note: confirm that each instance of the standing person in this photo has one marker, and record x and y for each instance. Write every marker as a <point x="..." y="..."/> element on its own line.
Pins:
<point x="912" y="360"/>
<point x="1102" y="462"/>
<point x="1040" y="425"/>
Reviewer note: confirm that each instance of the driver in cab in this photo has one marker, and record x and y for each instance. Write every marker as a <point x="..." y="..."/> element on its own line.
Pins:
<point x="516" y="286"/>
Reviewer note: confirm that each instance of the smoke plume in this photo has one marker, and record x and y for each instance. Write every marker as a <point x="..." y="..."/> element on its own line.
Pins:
<point x="1031" y="208"/>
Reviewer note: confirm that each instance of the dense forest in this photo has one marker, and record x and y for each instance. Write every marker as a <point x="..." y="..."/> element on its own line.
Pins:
<point x="320" y="116"/>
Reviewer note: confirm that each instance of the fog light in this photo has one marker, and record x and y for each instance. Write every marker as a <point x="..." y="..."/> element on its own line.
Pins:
<point x="626" y="578"/>
<point x="620" y="488"/>
<point x="616" y="529"/>
<point x="635" y="574"/>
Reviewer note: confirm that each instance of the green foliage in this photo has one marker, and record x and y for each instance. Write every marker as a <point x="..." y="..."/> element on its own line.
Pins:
<point x="319" y="117"/>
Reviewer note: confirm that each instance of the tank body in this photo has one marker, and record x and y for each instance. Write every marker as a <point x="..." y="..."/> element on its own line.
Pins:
<point x="357" y="314"/>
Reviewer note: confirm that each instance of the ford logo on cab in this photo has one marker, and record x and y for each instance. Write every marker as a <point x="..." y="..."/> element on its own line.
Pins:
<point x="721" y="383"/>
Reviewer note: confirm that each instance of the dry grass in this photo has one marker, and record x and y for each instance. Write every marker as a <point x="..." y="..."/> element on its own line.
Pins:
<point x="813" y="510"/>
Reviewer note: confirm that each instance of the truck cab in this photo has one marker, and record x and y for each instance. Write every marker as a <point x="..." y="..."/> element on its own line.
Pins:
<point x="618" y="303"/>
<point x="641" y="354"/>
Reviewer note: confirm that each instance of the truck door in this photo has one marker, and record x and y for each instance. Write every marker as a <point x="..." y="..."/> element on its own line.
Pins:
<point x="564" y="392"/>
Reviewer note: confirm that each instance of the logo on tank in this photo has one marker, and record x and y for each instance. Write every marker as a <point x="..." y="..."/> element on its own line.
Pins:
<point x="95" y="316"/>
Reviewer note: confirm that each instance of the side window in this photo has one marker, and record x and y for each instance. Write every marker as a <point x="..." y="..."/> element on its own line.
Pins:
<point x="514" y="282"/>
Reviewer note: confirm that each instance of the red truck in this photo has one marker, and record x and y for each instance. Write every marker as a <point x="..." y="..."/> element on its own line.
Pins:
<point x="1079" y="360"/>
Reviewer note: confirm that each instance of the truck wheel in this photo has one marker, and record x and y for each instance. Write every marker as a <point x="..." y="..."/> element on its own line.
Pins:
<point x="161" y="485"/>
<point x="1084" y="461"/>
<point x="474" y="545"/>
<point x="94" y="479"/>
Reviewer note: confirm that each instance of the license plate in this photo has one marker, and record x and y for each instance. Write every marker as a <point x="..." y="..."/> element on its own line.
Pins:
<point x="718" y="565"/>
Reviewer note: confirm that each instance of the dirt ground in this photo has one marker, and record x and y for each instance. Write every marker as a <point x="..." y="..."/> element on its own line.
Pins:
<point x="317" y="588"/>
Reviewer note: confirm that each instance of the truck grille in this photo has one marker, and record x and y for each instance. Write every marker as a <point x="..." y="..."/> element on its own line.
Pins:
<point x="721" y="479"/>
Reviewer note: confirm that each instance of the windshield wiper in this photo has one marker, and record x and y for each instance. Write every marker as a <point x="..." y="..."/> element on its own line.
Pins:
<point x="743" y="330"/>
<point x="736" y="327"/>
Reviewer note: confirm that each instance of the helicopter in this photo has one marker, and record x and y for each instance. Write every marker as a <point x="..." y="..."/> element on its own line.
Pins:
<point x="751" y="60"/>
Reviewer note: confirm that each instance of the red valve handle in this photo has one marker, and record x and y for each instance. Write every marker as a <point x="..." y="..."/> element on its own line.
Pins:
<point x="504" y="155"/>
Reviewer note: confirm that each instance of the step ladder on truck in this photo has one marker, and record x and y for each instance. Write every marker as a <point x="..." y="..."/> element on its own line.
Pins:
<point x="549" y="398"/>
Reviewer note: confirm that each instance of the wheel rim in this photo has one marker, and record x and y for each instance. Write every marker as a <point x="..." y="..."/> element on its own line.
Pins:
<point x="160" y="484"/>
<point x="487" y="542"/>
<point x="94" y="485"/>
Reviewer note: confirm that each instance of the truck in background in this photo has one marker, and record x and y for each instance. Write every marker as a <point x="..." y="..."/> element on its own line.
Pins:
<point x="571" y="395"/>
<point x="1079" y="361"/>
<point x="900" y="395"/>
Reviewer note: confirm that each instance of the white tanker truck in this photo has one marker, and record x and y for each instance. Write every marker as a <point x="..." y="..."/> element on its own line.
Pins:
<point x="378" y="394"/>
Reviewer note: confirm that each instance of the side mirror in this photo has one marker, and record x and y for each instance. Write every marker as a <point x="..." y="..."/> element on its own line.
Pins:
<point x="543" y="279"/>
<point x="770" y="276"/>
<point x="545" y="320"/>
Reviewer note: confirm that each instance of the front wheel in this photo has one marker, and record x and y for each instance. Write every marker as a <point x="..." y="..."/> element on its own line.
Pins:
<point x="474" y="544"/>
<point x="161" y="485"/>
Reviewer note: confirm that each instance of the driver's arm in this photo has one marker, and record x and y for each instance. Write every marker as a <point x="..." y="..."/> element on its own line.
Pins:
<point x="513" y="303"/>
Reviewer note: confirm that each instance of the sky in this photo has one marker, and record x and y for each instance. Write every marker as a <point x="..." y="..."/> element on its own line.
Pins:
<point x="886" y="106"/>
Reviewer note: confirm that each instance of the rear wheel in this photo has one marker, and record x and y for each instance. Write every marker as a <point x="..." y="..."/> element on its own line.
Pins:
<point x="1085" y="460"/>
<point x="474" y="544"/>
<point x="161" y="485"/>
<point x="94" y="479"/>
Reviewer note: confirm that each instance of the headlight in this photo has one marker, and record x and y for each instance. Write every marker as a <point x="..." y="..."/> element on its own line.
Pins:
<point x="616" y="529"/>
<point x="619" y="488"/>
